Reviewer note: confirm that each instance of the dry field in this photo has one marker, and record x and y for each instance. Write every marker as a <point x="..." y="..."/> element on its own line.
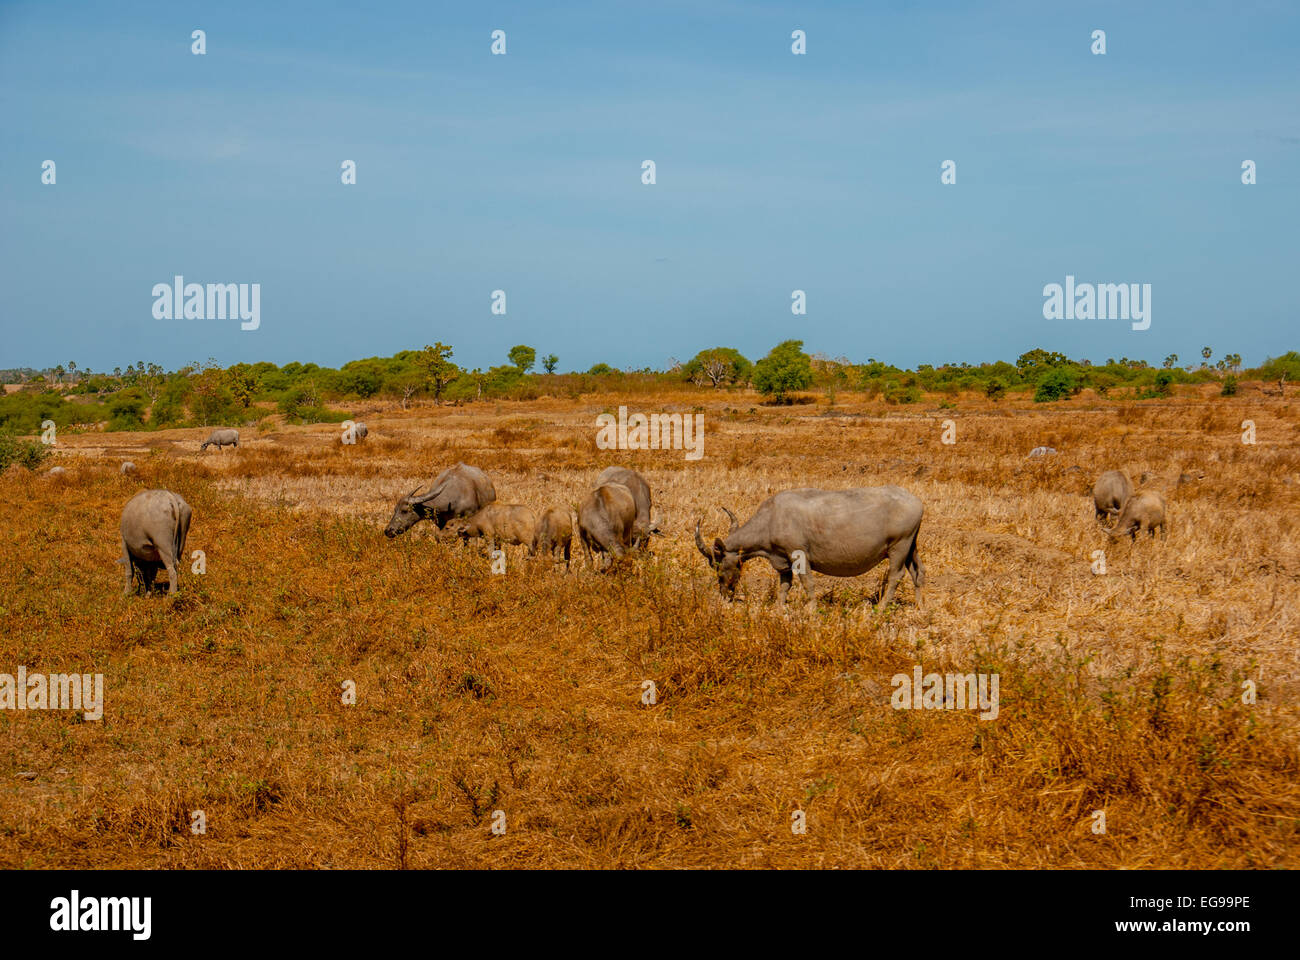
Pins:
<point x="522" y="693"/>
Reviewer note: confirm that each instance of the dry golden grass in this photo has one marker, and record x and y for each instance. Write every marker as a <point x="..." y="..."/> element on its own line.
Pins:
<point x="523" y="692"/>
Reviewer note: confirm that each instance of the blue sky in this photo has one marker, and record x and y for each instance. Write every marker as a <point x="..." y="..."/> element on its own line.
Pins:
<point x="523" y="173"/>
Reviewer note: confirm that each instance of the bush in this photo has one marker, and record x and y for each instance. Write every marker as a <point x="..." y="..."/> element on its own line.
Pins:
<point x="1163" y="379"/>
<point x="996" y="389"/>
<point x="126" y="410"/>
<point x="166" y="412"/>
<point x="1056" y="384"/>
<point x="26" y="453"/>
<point x="786" y="368"/>
<point x="896" y="392"/>
<point x="1229" y="386"/>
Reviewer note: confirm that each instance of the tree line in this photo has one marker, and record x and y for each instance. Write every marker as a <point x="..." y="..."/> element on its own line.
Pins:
<point x="145" y="396"/>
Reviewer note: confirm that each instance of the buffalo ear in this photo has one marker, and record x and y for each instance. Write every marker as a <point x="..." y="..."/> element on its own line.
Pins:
<point x="719" y="548"/>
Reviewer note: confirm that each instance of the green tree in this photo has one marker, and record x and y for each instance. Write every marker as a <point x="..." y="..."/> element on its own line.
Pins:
<point x="438" y="369"/>
<point x="212" y="397"/>
<point x="549" y="361"/>
<point x="1056" y="384"/>
<point x="785" y="369"/>
<point x="126" y="410"/>
<point x="1032" y="364"/>
<point x="242" y="383"/>
<point x="996" y="389"/>
<point x="718" y="366"/>
<point x="523" y="357"/>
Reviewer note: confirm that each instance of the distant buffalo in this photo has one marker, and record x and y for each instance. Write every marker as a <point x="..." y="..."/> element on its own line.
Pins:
<point x="155" y="524"/>
<point x="1110" y="493"/>
<point x="1142" y="513"/>
<point x="554" y="534"/>
<point x="458" y="491"/>
<point x="221" y="438"/>
<point x="607" y="522"/>
<point x="640" y="491"/>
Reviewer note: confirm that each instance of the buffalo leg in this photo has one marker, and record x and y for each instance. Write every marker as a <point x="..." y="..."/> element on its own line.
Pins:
<point x="897" y="562"/>
<point x="787" y="578"/>
<point x="917" y="570"/>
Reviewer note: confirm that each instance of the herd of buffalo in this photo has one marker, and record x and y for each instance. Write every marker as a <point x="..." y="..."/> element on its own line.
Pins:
<point x="839" y="533"/>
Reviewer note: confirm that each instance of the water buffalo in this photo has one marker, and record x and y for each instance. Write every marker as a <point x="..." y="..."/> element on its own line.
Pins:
<point x="640" y="490"/>
<point x="458" y="491"/>
<point x="554" y="530"/>
<point x="1110" y="493"/>
<point x="127" y="468"/>
<point x="841" y="533"/>
<point x="606" y="521"/>
<point x="504" y="522"/>
<point x="1142" y="512"/>
<point x="155" y="524"/>
<point x="222" y="438"/>
<point x="359" y="432"/>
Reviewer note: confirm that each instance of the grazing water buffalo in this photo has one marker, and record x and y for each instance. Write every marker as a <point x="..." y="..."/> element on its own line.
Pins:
<point x="222" y="438"/>
<point x="504" y="522"/>
<point x="841" y="533"/>
<point x="359" y="432"/>
<point x="458" y="491"/>
<point x="640" y="490"/>
<point x="1142" y="512"/>
<point x="554" y="530"/>
<point x="606" y="521"/>
<point x="1110" y="493"/>
<point x="155" y="524"/>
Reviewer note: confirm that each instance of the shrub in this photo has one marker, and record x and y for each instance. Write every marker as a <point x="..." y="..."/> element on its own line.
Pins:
<point x="1229" y="386"/>
<point x="126" y="410"/>
<point x="896" y="392"/>
<point x="996" y="389"/>
<point x="786" y="368"/>
<point x="26" y="453"/>
<point x="166" y="412"/>
<point x="1056" y="384"/>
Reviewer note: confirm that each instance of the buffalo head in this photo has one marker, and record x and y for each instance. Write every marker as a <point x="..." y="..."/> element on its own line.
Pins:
<point x="725" y="563"/>
<point x="409" y="511"/>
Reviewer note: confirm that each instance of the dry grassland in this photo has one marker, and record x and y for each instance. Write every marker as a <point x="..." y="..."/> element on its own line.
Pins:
<point x="522" y="693"/>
